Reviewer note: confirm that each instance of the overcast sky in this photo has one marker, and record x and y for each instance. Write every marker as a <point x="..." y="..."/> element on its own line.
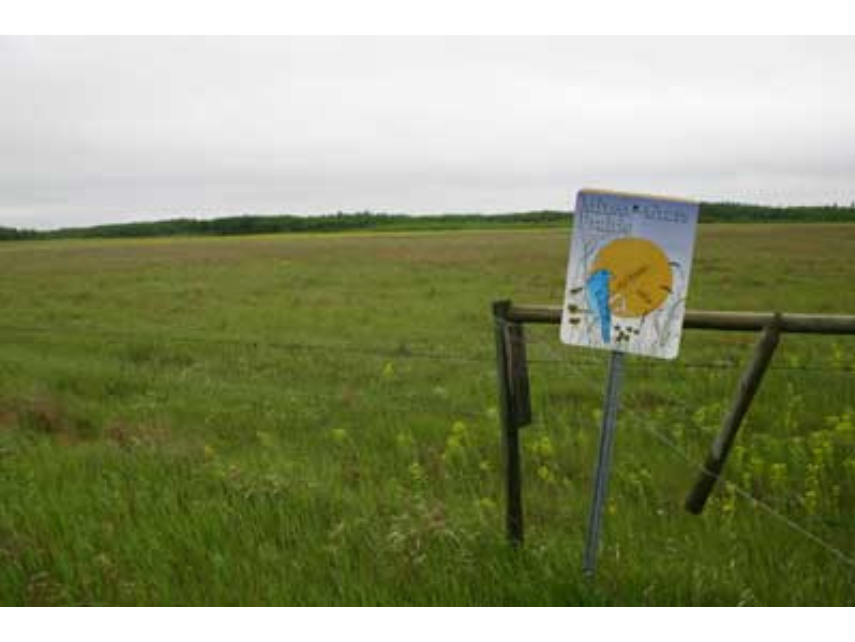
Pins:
<point x="104" y="130"/>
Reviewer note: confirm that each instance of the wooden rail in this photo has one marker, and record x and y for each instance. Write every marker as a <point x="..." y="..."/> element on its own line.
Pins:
<point x="714" y="320"/>
<point x="514" y="400"/>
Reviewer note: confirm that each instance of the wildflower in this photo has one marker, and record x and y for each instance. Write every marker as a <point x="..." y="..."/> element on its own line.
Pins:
<point x="546" y="475"/>
<point x="844" y="426"/>
<point x="417" y="472"/>
<point x="545" y="448"/>
<point x="458" y="428"/>
<point x="832" y="420"/>
<point x="453" y="448"/>
<point x="812" y="476"/>
<point x="542" y="448"/>
<point x="728" y="506"/>
<point x="453" y="443"/>
<point x="486" y="504"/>
<point x="797" y="448"/>
<point x="777" y="475"/>
<point x="404" y="440"/>
<point x="811" y="501"/>
<point x="822" y="448"/>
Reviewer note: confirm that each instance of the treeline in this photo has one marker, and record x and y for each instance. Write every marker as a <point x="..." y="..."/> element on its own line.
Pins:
<point x="11" y="234"/>
<point x="739" y="213"/>
<point x="341" y="222"/>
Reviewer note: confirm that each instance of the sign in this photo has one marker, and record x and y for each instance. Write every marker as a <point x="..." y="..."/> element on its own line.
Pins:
<point x="628" y="274"/>
<point x="627" y="279"/>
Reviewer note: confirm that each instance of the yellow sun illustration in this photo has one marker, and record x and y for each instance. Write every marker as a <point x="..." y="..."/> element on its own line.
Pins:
<point x="641" y="276"/>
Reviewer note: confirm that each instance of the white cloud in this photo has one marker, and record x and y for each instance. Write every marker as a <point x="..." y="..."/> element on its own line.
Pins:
<point x="108" y="129"/>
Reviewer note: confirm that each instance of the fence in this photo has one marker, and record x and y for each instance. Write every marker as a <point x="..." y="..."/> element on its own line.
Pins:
<point x="515" y="403"/>
<point x="511" y="342"/>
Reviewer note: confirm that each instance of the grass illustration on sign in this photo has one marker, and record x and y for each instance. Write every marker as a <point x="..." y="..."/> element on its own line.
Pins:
<point x="628" y="274"/>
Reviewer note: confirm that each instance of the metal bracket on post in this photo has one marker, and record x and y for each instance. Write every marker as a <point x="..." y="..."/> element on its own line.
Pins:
<point x="515" y="410"/>
<point x="747" y="388"/>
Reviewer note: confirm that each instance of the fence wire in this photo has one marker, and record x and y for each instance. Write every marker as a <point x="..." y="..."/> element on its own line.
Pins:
<point x="687" y="460"/>
<point x="398" y="352"/>
<point x="790" y="523"/>
<point x="403" y="352"/>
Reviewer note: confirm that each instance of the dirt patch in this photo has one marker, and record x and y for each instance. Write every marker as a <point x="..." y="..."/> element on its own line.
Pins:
<point x="129" y="435"/>
<point x="8" y="419"/>
<point x="46" y="415"/>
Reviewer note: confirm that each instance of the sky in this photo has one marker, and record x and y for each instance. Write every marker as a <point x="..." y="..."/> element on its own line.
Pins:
<point x="97" y="130"/>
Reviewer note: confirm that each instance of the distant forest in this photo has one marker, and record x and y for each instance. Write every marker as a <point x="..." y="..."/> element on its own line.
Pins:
<point x="236" y="225"/>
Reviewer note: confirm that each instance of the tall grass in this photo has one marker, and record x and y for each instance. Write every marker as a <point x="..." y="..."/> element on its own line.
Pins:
<point x="313" y="421"/>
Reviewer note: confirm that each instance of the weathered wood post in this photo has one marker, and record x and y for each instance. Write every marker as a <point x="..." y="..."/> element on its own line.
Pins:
<point x="515" y="410"/>
<point x="745" y="391"/>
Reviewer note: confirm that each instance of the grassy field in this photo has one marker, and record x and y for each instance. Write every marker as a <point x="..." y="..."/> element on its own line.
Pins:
<point x="312" y="420"/>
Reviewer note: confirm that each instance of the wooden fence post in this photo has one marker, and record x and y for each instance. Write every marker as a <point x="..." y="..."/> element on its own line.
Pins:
<point x="747" y="388"/>
<point x="515" y="411"/>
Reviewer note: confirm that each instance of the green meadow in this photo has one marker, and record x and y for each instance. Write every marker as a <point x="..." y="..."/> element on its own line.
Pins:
<point x="312" y="419"/>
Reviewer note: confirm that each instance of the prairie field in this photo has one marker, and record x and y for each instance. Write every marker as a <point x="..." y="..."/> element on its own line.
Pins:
<point x="312" y="419"/>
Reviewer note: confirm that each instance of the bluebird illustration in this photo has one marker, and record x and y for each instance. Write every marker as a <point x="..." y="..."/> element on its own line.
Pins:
<point x="599" y="293"/>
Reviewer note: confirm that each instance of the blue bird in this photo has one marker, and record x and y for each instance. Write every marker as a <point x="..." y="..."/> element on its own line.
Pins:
<point x="597" y="287"/>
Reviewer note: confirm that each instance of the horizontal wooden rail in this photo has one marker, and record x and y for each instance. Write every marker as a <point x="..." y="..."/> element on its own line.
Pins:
<point x="715" y="320"/>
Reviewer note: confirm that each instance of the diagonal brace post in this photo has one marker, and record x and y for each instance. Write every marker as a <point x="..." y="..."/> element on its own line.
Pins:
<point x="745" y="391"/>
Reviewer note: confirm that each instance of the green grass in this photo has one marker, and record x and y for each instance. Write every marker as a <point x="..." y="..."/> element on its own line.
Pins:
<point x="311" y="419"/>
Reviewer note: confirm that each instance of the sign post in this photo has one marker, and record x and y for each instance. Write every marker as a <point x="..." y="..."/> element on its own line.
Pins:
<point x="627" y="280"/>
<point x="604" y="460"/>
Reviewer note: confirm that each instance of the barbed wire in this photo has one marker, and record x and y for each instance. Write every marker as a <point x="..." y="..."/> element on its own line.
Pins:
<point x="719" y="364"/>
<point x="401" y="352"/>
<point x="409" y="402"/>
<point x="745" y="494"/>
<point x="404" y="352"/>
<point x="739" y="490"/>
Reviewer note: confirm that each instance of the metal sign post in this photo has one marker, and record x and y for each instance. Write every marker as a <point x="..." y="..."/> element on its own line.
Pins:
<point x="627" y="281"/>
<point x="604" y="460"/>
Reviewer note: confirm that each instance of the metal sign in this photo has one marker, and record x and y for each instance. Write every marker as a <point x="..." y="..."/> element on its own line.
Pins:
<point x="627" y="279"/>
<point x="628" y="274"/>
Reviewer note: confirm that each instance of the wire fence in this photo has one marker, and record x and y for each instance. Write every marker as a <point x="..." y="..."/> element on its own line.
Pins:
<point x="396" y="352"/>
<point x="549" y="355"/>
<point x="686" y="460"/>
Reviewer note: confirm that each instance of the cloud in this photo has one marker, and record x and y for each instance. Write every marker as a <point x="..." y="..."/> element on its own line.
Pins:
<point x="109" y="129"/>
